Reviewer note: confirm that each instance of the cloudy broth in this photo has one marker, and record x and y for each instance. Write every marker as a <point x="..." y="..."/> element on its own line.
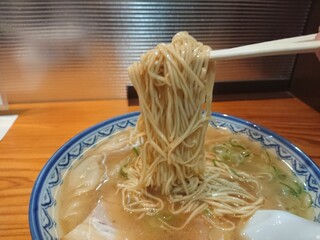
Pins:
<point x="94" y="177"/>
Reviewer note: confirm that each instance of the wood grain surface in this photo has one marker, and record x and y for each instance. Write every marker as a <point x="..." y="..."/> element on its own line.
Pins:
<point x="42" y="128"/>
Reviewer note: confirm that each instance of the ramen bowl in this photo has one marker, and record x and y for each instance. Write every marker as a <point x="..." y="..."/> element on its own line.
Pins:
<point x="43" y="201"/>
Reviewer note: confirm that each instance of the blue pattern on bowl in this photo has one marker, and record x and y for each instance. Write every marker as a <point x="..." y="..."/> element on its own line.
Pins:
<point x="43" y="226"/>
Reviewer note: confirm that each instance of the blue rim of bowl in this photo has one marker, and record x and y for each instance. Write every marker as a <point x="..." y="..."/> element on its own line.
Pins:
<point x="34" y="221"/>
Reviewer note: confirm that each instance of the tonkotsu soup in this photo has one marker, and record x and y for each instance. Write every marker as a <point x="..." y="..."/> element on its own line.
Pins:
<point x="92" y="181"/>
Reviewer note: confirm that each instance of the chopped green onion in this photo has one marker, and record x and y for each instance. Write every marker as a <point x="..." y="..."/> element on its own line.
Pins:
<point x="123" y="173"/>
<point x="207" y="213"/>
<point x="297" y="187"/>
<point x="220" y="149"/>
<point x="214" y="163"/>
<point x="225" y="156"/>
<point x="281" y="175"/>
<point x="236" y="143"/>
<point x="290" y="189"/>
<point x="136" y="151"/>
<point x="268" y="157"/>
<point x="245" y="153"/>
<point x="307" y="200"/>
<point x="234" y="172"/>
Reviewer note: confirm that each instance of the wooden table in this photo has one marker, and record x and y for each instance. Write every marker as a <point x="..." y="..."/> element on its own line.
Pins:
<point x="42" y="128"/>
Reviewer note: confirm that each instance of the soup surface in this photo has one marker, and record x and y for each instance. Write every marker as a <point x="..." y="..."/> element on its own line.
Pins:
<point x="89" y="205"/>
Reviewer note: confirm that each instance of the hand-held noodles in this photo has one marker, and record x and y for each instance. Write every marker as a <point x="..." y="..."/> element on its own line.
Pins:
<point x="174" y="83"/>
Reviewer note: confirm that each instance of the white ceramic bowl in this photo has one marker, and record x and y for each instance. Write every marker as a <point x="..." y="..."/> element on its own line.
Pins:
<point x="42" y="224"/>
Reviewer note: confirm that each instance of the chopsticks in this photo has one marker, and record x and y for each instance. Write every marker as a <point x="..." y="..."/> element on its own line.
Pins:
<point x="293" y="45"/>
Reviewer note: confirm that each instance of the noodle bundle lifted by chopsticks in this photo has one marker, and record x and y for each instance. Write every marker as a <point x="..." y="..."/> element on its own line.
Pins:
<point x="174" y="83"/>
